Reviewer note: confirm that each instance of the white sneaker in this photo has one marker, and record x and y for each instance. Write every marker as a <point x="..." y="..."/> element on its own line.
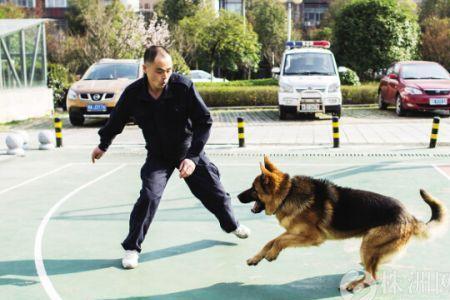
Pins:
<point x="130" y="259"/>
<point x="242" y="232"/>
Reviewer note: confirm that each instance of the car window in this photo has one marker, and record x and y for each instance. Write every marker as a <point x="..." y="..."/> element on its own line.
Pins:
<point x="396" y="69"/>
<point x="195" y="75"/>
<point x="205" y="75"/>
<point x="309" y="64"/>
<point x="112" y="71"/>
<point x="390" y="70"/>
<point x="424" y="71"/>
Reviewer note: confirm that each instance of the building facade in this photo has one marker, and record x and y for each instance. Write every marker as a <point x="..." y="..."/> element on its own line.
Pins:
<point x="56" y="9"/>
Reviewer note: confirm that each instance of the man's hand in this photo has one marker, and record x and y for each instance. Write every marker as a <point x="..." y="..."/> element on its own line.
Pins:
<point x="97" y="154"/>
<point x="186" y="168"/>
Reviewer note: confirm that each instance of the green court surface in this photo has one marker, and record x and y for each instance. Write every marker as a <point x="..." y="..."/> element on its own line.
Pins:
<point x="62" y="220"/>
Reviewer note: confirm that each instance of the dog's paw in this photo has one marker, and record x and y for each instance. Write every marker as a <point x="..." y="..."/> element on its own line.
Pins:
<point x="271" y="255"/>
<point x="253" y="261"/>
<point x="356" y="286"/>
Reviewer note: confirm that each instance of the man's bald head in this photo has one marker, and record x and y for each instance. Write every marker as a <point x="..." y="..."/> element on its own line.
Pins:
<point x="152" y="52"/>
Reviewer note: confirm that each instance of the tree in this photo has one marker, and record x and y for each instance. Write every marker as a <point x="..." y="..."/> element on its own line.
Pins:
<point x="179" y="64"/>
<point x="189" y="33"/>
<point x="111" y="31"/>
<point x="173" y="11"/>
<point x="76" y="14"/>
<point x="434" y="8"/>
<point x="271" y="38"/>
<point x="229" y="45"/>
<point x="371" y="34"/>
<point x="436" y="40"/>
<point x="11" y="11"/>
<point x="210" y="41"/>
<point x="333" y="11"/>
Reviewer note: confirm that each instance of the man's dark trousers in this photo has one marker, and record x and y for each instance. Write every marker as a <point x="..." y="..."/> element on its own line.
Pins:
<point x="204" y="183"/>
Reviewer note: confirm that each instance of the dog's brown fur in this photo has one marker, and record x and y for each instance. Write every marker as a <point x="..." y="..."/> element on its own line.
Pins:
<point x="313" y="211"/>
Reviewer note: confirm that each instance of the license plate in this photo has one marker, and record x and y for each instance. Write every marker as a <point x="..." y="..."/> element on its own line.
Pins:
<point x="438" y="101"/>
<point x="310" y="107"/>
<point x="96" y="108"/>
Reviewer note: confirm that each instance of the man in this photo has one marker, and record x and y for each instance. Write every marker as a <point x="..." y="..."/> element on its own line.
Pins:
<point x="176" y="125"/>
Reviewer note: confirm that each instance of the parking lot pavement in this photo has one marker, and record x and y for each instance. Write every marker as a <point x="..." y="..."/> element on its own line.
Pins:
<point x="358" y="126"/>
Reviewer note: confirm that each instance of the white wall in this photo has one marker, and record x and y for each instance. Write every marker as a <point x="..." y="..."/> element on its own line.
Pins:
<point x="21" y="104"/>
<point x="131" y="4"/>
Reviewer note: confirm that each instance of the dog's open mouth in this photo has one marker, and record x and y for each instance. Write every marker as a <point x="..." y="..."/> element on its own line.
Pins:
<point x="258" y="207"/>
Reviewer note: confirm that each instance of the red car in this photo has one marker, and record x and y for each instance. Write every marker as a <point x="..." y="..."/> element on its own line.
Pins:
<point x="415" y="86"/>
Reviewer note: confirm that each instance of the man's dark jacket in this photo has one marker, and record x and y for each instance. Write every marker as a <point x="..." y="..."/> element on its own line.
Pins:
<point x="175" y="126"/>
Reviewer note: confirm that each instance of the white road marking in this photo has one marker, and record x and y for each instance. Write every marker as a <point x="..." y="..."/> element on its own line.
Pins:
<point x="35" y="178"/>
<point x="441" y="171"/>
<point x="38" y="260"/>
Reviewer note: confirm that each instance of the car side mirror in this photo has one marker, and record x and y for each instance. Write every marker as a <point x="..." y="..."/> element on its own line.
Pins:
<point x="77" y="77"/>
<point x="393" y="76"/>
<point x="276" y="71"/>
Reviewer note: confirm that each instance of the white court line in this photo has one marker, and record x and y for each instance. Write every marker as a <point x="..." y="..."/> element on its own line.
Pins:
<point x="34" y="179"/>
<point x="38" y="261"/>
<point x="442" y="172"/>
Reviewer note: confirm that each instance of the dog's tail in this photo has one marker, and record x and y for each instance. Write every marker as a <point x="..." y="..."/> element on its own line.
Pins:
<point x="437" y="225"/>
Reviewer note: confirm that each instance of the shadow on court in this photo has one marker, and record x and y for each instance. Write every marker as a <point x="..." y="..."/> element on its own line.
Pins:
<point x="67" y="266"/>
<point x="320" y="287"/>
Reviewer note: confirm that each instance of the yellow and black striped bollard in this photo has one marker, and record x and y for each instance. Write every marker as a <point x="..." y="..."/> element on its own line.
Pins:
<point x="58" y="132"/>
<point x="241" y="135"/>
<point x="335" y="120"/>
<point x="434" y="132"/>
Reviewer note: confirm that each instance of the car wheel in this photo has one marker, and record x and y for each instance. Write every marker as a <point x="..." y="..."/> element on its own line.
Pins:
<point x="76" y="119"/>
<point x="283" y="113"/>
<point x="381" y="104"/>
<point x="399" y="110"/>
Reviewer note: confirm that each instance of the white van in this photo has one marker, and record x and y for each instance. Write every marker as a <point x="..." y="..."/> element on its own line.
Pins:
<point x="308" y="79"/>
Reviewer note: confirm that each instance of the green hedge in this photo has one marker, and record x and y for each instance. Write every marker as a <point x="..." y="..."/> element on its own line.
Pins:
<point x="239" y="95"/>
<point x="360" y="94"/>
<point x="215" y="95"/>
<point x="252" y="82"/>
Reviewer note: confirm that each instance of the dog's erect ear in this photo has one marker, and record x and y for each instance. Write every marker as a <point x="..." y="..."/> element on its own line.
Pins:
<point x="269" y="165"/>
<point x="265" y="174"/>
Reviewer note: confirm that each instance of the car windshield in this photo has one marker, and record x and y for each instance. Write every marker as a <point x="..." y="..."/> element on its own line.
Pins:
<point x="424" y="71"/>
<point x="112" y="71"/>
<point x="309" y="64"/>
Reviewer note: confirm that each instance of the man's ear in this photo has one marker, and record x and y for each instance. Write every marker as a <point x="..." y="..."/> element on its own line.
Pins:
<point x="144" y="68"/>
<point x="269" y="165"/>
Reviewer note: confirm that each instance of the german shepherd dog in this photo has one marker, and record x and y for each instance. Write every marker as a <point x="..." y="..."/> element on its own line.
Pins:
<point x="314" y="210"/>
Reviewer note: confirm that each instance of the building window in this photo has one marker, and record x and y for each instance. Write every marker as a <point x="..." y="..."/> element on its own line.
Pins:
<point x="55" y="3"/>
<point x="312" y="15"/>
<point x="23" y="3"/>
<point x="232" y="5"/>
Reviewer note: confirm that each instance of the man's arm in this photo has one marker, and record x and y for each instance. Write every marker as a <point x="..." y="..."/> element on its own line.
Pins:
<point x="201" y="124"/>
<point x="118" y="118"/>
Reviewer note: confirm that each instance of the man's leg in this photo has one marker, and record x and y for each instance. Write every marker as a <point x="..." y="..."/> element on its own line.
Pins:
<point x="205" y="184"/>
<point x="154" y="175"/>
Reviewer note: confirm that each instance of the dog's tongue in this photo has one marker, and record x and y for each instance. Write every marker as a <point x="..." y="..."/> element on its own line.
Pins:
<point x="257" y="207"/>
